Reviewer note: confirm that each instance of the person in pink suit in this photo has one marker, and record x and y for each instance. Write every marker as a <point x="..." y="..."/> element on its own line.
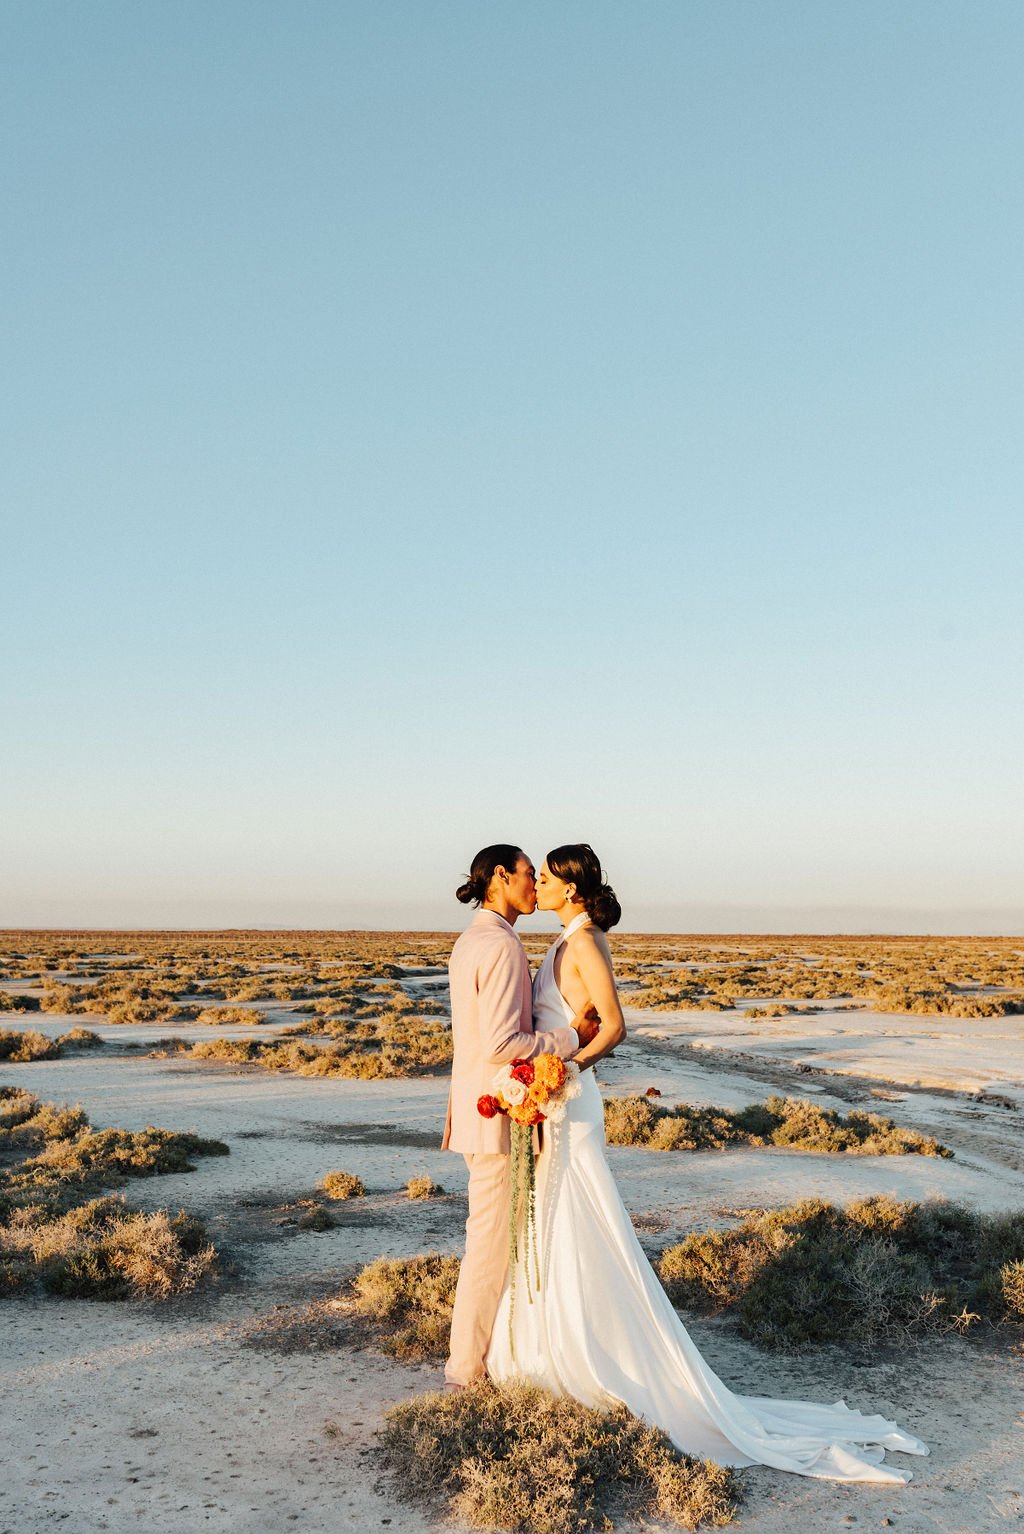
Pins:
<point x="492" y="1024"/>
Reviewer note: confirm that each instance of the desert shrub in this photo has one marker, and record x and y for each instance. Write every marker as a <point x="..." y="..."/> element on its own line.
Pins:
<point x="423" y="1187"/>
<point x="61" y="998"/>
<point x="27" y="1122"/>
<point x="519" y="1458"/>
<point x="109" y="1154"/>
<point x="140" y="1011"/>
<point x="74" y="1158"/>
<point x="985" y="1006"/>
<point x="54" y="1229"/>
<point x="389" y="1046"/>
<point x="1011" y="1277"/>
<point x="103" y="1250"/>
<point x="80" y="1038"/>
<point x="789" y="1122"/>
<point x="317" y="1218"/>
<point x="21" y="1047"/>
<point x="407" y="1302"/>
<point x="16" y="1105"/>
<point x="231" y="1051"/>
<point x="339" y="1185"/>
<point x="221" y="1016"/>
<point x="943" y="1001"/>
<point x="9" y="1003"/>
<point x="662" y="997"/>
<point x="875" y="1270"/>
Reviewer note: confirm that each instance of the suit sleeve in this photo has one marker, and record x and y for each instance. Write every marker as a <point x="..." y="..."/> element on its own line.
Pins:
<point x="502" y="1036"/>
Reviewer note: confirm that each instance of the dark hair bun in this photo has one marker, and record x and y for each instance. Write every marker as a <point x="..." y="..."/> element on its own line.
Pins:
<point x="501" y="855"/>
<point x="603" y="908"/>
<point x="578" y="864"/>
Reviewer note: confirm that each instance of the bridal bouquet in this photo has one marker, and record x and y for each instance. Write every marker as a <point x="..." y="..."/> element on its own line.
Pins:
<point x="528" y="1092"/>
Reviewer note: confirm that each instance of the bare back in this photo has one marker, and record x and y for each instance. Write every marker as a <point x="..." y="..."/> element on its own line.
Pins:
<point x="567" y="975"/>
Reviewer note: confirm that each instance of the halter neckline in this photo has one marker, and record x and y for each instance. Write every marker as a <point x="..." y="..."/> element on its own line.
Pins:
<point x="578" y="921"/>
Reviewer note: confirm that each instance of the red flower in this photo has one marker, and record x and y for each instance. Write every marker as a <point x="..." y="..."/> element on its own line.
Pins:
<point x="522" y="1070"/>
<point x="488" y="1105"/>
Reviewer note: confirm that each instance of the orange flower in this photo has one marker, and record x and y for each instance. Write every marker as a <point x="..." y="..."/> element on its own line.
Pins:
<point x="526" y="1113"/>
<point x="548" y="1073"/>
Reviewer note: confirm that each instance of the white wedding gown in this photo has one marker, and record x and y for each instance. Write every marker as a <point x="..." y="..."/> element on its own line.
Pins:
<point x="603" y="1330"/>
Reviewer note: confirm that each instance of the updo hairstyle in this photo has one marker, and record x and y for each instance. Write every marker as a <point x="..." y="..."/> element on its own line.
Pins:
<point x="503" y="855"/>
<point x="577" y="863"/>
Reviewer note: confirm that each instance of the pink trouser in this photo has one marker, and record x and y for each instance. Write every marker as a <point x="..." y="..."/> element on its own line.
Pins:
<point x="482" y="1274"/>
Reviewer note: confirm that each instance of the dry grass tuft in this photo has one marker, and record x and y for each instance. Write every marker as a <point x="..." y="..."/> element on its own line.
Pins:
<point x="789" y="1122"/>
<point x="407" y="1302"/>
<point x="25" y="1122"/>
<point x="316" y="1218"/>
<point x="102" y="1250"/>
<point x="342" y="1185"/>
<point x="80" y="1038"/>
<point x="383" y="1048"/>
<point x="524" y="1460"/>
<point x="99" y="1157"/>
<point x="1011" y="1276"/>
<point x="54" y="1230"/>
<point x="423" y="1187"/>
<point x="21" y="1047"/>
<point x="943" y="1001"/>
<point x="12" y="1003"/>
<point x="876" y="1270"/>
<point x="246" y="1017"/>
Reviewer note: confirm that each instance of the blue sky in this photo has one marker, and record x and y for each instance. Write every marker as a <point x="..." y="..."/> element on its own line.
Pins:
<point x="437" y="424"/>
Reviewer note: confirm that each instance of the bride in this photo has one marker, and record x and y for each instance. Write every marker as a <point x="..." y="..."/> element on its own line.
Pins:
<point x="601" y="1328"/>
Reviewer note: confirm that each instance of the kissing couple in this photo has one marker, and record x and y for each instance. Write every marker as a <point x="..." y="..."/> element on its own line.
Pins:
<point x="598" y="1326"/>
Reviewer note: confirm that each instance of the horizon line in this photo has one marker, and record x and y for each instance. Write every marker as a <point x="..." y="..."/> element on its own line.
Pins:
<point x="5" y="932"/>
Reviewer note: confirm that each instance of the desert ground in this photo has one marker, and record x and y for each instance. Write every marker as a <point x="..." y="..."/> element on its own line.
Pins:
<point x="252" y="1402"/>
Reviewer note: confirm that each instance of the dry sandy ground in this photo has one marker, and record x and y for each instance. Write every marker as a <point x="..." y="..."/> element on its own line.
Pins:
<point x="967" y="1054"/>
<point x="117" y="1416"/>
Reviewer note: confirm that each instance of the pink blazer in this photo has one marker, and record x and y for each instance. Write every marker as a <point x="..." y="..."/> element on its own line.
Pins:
<point x="492" y="1024"/>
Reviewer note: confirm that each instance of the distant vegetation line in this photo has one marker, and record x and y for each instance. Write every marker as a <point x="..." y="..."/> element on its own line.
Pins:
<point x="724" y="938"/>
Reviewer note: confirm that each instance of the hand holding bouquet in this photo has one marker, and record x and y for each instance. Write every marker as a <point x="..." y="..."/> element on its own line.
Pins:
<point x="528" y="1092"/>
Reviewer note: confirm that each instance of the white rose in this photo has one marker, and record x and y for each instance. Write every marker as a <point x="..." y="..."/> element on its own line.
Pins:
<point x="513" y="1092"/>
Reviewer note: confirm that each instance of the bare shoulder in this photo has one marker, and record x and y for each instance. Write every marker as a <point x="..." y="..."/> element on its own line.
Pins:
<point x="588" y="941"/>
